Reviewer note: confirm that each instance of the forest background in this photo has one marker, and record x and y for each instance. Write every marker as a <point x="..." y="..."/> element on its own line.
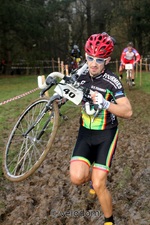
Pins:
<point x="39" y="30"/>
<point x="33" y="30"/>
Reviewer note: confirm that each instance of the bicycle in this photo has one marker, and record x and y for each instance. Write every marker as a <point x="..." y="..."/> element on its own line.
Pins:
<point x="129" y="68"/>
<point x="34" y="132"/>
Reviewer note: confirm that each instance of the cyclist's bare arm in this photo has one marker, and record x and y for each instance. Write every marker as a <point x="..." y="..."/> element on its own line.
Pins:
<point x="122" y="108"/>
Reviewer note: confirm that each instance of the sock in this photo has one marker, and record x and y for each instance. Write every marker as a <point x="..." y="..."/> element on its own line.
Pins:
<point x="110" y="219"/>
<point x="91" y="186"/>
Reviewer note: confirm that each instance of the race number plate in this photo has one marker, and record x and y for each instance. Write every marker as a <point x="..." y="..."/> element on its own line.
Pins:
<point x="69" y="92"/>
<point x="128" y="66"/>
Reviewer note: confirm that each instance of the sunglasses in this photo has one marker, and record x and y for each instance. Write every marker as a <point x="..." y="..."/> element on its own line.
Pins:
<point x="98" y="60"/>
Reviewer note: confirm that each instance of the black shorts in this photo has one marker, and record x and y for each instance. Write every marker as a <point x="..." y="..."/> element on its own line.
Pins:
<point x="96" y="147"/>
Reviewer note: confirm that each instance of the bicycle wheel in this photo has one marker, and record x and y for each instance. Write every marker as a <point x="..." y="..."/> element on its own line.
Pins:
<point x="25" y="153"/>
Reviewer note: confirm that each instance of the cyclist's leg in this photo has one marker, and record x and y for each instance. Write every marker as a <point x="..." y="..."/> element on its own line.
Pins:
<point x="101" y="167"/>
<point x="121" y="68"/>
<point x="79" y="172"/>
<point x="99" y="179"/>
<point x="133" y="72"/>
<point x="80" y="161"/>
<point x="132" y="77"/>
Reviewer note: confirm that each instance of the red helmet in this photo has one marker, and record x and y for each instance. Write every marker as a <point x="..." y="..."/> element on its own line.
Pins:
<point x="99" y="45"/>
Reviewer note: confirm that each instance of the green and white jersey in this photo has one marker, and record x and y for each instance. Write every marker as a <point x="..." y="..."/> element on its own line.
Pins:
<point x="111" y="88"/>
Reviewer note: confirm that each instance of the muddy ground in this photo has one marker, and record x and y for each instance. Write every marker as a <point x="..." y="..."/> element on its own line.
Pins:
<point x="48" y="197"/>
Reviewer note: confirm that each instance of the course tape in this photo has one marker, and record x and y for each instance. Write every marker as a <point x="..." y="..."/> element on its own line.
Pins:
<point x="19" y="96"/>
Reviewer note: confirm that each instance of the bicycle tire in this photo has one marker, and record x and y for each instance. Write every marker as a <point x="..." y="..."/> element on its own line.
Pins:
<point x="23" y="155"/>
<point x="129" y="80"/>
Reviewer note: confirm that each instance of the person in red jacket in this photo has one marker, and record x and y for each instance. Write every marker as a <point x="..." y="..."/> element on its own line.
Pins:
<point x="129" y="55"/>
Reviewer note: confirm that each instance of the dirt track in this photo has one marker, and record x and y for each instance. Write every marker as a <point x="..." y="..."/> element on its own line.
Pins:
<point x="48" y="197"/>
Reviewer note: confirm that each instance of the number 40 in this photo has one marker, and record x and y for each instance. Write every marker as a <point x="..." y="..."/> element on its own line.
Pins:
<point x="70" y="93"/>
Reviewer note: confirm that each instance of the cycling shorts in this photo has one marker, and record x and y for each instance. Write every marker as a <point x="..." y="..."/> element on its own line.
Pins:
<point x="96" y="147"/>
<point x="126" y="61"/>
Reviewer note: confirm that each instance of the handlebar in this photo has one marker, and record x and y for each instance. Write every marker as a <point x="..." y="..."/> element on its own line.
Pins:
<point x="54" y="75"/>
<point x="70" y="80"/>
<point x="42" y="85"/>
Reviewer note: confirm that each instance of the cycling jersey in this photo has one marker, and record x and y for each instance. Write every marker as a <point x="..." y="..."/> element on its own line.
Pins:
<point x="130" y="56"/>
<point x="111" y="88"/>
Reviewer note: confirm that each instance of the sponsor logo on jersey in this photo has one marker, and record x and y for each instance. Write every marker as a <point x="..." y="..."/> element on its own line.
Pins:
<point x="119" y="93"/>
<point x="113" y="80"/>
<point x="97" y="89"/>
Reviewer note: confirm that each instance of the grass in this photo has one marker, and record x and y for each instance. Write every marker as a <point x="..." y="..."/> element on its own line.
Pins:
<point x="142" y="82"/>
<point x="12" y="86"/>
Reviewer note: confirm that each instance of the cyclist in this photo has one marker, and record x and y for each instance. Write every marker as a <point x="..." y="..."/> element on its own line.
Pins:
<point x="76" y="57"/>
<point x="129" y="55"/>
<point x="96" y="142"/>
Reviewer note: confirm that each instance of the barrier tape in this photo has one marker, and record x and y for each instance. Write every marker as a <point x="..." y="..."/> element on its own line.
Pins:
<point x="19" y="96"/>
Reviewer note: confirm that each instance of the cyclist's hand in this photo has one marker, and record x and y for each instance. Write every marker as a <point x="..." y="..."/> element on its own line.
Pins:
<point x="135" y="63"/>
<point x="99" y="100"/>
